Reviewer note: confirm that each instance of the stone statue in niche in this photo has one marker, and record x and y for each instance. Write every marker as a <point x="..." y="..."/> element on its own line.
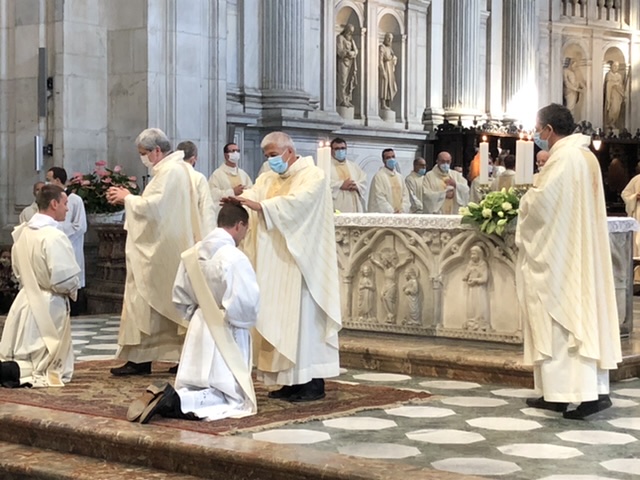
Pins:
<point x="573" y="85"/>
<point x="412" y="291"/>
<point x="389" y="263"/>
<point x="387" y="65"/>
<point x="613" y="96"/>
<point x="347" y="71"/>
<point x="476" y="276"/>
<point x="366" y="294"/>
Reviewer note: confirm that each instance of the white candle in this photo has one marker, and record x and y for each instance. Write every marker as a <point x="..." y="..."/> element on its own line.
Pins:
<point x="527" y="178"/>
<point x="483" y="176"/>
<point x="520" y="160"/>
<point x="324" y="158"/>
<point x="319" y="154"/>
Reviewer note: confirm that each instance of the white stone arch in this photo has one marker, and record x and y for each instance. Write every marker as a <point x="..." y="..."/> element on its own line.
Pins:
<point x="342" y="8"/>
<point x="384" y="23"/>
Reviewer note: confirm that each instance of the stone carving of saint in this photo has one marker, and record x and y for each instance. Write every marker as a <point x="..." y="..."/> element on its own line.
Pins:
<point x="387" y="65"/>
<point x="573" y="84"/>
<point x="613" y="96"/>
<point x="366" y="294"/>
<point x="411" y="290"/>
<point x="347" y="51"/>
<point x="476" y="276"/>
<point x="389" y="263"/>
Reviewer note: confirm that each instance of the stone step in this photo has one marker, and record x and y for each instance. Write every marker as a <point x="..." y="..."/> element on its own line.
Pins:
<point x="21" y="462"/>
<point x="182" y="452"/>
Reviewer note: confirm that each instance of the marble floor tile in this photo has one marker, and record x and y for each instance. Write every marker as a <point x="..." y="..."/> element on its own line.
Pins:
<point x="445" y="436"/>
<point x="420" y="412"/>
<point x="474" y="402"/>
<point x="476" y="466"/>
<point x="359" y="423"/>
<point x="292" y="436"/>
<point x="504" y="424"/>
<point x="596" y="437"/>
<point x="382" y="377"/>
<point x="379" y="450"/>
<point x="623" y="465"/>
<point x="450" y="385"/>
<point x="540" y="451"/>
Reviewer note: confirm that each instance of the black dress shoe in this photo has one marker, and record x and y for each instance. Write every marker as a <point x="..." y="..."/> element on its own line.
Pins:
<point x="309" y="392"/>
<point x="9" y="374"/>
<point x="166" y="404"/>
<point x="544" y="405"/>
<point x="131" y="368"/>
<point x="174" y="369"/>
<point x="589" y="408"/>
<point x="285" y="392"/>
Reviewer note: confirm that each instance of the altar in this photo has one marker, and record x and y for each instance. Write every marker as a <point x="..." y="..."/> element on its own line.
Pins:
<point x="430" y="275"/>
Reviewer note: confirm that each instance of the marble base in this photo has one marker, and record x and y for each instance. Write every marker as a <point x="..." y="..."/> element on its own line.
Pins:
<point x="388" y="116"/>
<point x="346" y="113"/>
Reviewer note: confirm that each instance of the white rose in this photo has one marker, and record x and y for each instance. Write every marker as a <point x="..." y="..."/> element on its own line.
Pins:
<point x="463" y="211"/>
<point x="501" y="214"/>
<point x="506" y="206"/>
<point x="486" y="213"/>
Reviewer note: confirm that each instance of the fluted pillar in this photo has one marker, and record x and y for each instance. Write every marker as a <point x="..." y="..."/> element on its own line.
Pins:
<point x="519" y="84"/>
<point x="462" y="44"/>
<point x="283" y="54"/>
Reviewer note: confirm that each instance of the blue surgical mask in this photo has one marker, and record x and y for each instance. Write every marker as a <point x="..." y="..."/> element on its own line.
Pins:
<point x="542" y="144"/>
<point x="391" y="163"/>
<point x="278" y="164"/>
<point x="422" y="171"/>
<point x="444" y="168"/>
<point x="340" y="155"/>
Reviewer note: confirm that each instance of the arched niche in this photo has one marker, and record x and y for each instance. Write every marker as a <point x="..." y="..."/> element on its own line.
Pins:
<point x="575" y="89"/>
<point x="615" y="88"/>
<point x="350" y="13"/>
<point x="390" y="23"/>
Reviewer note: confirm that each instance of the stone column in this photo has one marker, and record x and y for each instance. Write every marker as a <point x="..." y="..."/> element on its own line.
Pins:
<point x="494" y="65"/>
<point x="461" y="53"/>
<point x="519" y="84"/>
<point x="282" y="55"/>
<point x="433" y="115"/>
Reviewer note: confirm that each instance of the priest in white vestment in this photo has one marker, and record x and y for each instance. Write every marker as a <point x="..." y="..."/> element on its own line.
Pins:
<point x="348" y="180"/>
<point x="387" y="192"/>
<point x="228" y="179"/>
<point x="631" y="197"/>
<point x="161" y="223"/>
<point x="217" y="292"/>
<point x="30" y="210"/>
<point x="413" y="181"/>
<point x="292" y="244"/>
<point x="200" y="186"/>
<point x="75" y="223"/>
<point x="506" y="179"/>
<point x="477" y="190"/>
<point x="564" y="274"/>
<point x="37" y="332"/>
<point x="445" y="189"/>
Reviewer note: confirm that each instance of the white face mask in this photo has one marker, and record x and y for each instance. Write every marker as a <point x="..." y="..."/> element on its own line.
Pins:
<point x="145" y="161"/>
<point x="234" y="157"/>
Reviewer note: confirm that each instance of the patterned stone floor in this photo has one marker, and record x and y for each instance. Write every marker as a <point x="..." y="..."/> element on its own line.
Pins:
<point x="469" y="428"/>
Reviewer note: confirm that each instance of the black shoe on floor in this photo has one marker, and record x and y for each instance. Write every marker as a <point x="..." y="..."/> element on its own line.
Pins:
<point x="166" y="404"/>
<point x="131" y="368"/>
<point x="309" y="392"/>
<point x="589" y="408"/>
<point x="285" y="392"/>
<point x="174" y="369"/>
<point x="544" y="405"/>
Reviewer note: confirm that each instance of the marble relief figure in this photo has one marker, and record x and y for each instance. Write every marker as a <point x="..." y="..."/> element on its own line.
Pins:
<point x="390" y="264"/>
<point x="476" y="277"/>
<point x="347" y="71"/>
<point x="613" y="96"/>
<point x="573" y="85"/>
<point x="412" y="291"/>
<point x="387" y="65"/>
<point x="366" y="294"/>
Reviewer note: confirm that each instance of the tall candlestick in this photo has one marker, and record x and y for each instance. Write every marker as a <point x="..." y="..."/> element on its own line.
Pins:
<point x="520" y="160"/>
<point x="527" y="178"/>
<point x="483" y="176"/>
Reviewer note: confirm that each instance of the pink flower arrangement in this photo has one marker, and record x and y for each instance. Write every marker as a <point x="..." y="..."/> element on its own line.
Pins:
<point x="92" y="187"/>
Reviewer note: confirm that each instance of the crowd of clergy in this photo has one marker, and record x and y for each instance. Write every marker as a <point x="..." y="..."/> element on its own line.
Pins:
<point x="225" y="275"/>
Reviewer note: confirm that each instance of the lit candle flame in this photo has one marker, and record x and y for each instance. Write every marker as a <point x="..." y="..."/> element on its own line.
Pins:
<point x="484" y="138"/>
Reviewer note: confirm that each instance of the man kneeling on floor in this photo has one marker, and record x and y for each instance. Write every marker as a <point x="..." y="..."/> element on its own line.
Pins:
<point x="216" y="289"/>
<point x="35" y="348"/>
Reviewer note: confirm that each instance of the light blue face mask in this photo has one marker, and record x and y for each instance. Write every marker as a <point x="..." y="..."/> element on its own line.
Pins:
<point x="278" y="164"/>
<point x="542" y="144"/>
<point x="444" y="168"/>
<point x="391" y="163"/>
<point x="340" y="155"/>
<point x="422" y="172"/>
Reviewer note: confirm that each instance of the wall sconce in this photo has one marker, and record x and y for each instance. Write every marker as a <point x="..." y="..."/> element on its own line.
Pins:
<point x="596" y="141"/>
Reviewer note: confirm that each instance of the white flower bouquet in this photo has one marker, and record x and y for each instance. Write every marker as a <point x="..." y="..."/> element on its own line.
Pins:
<point x="494" y="212"/>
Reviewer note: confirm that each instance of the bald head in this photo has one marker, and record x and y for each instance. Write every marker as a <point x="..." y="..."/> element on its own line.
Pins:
<point x="36" y="188"/>
<point x="443" y="157"/>
<point x="541" y="158"/>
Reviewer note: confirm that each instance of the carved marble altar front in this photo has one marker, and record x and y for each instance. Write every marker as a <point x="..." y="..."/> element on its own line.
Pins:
<point x="429" y="275"/>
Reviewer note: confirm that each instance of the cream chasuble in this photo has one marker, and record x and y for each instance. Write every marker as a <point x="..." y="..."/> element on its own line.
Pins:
<point x="216" y="289"/>
<point x="632" y="206"/>
<point x="506" y="180"/>
<point x="74" y="227"/>
<point x="161" y="224"/>
<point x="388" y="193"/>
<point x="564" y="276"/>
<point x="28" y="212"/>
<point x="293" y="246"/>
<point x="37" y="333"/>
<point x="224" y="179"/>
<point x="434" y="198"/>
<point x="413" y="181"/>
<point x="343" y="200"/>
<point x="206" y="208"/>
